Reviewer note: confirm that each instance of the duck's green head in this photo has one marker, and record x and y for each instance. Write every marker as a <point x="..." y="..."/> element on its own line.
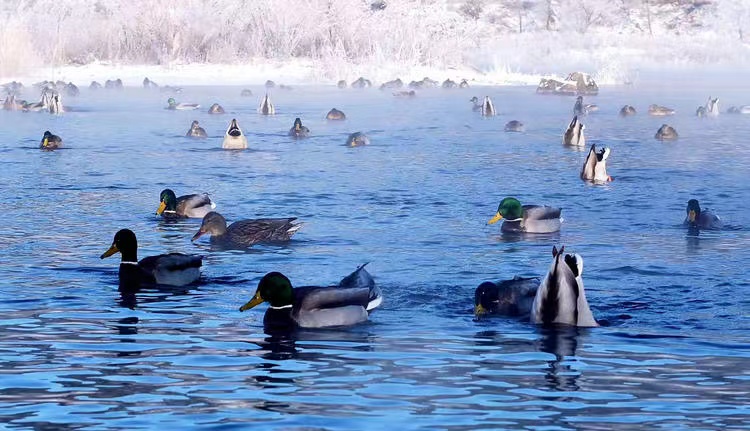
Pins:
<point x="167" y="201"/>
<point x="693" y="210"/>
<point x="126" y="244"/>
<point x="171" y="101"/>
<point x="273" y="288"/>
<point x="509" y="208"/>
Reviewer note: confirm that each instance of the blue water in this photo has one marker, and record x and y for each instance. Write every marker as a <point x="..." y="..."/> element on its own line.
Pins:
<point x="672" y="352"/>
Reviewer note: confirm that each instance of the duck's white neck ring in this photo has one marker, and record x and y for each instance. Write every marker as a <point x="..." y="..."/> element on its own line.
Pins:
<point x="128" y="263"/>
<point x="515" y="219"/>
<point x="170" y="212"/>
<point x="280" y="308"/>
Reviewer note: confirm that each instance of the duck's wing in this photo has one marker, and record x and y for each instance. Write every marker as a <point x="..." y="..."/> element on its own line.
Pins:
<point x="175" y="269"/>
<point x="709" y="220"/>
<point x="361" y="278"/>
<point x="260" y="230"/>
<point x="589" y="166"/>
<point x="330" y="306"/>
<point x="540" y="212"/>
<point x="195" y="205"/>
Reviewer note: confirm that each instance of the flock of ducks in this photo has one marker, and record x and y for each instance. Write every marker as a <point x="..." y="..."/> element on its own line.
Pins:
<point x="557" y="299"/>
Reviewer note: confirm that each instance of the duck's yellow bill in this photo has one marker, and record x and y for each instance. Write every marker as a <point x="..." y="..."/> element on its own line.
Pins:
<point x="691" y="216"/>
<point x="495" y="219"/>
<point x="479" y="310"/>
<point x="162" y="207"/>
<point x="257" y="300"/>
<point x="112" y="250"/>
<point x="45" y="142"/>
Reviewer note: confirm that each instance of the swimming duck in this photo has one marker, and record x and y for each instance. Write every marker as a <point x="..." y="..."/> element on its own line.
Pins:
<point x="578" y="108"/>
<point x="113" y="84"/>
<point x="464" y="84"/>
<point x="394" y="84"/>
<point x="666" y="133"/>
<point x="477" y="106"/>
<point x="560" y="299"/>
<point x="449" y="83"/>
<point x="245" y="233"/>
<point x="246" y="93"/>
<point x="595" y="167"/>
<point x="173" y="269"/>
<point x="526" y="218"/>
<point x="71" y="90"/>
<point x="701" y="219"/>
<point x="174" y="106"/>
<point x="488" y="109"/>
<point x="50" y="142"/>
<point x="348" y="303"/>
<point x="357" y="139"/>
<point x="574" y="134"/>
<point x="95" y="85"/>
<point x="700" y="112"/>
<point x="361" y="83"/>
<point x="508" y="297"/>
<point x="216" y="109"/>
<point x="196" y="131"/>
<point x="514" y="126"/>
<point x="335" y="114"/>
<point x="270" y="84"/>
<point x="266" y="107"/>
<point x="627" y="111"/>
<point x="147" y="83"/>
<point x="234" y="139"/>
<point x="660" y="111"/>
<point x="341" y="84"/>
<point x="298" y="130"/>
<point x="193" y="206"/>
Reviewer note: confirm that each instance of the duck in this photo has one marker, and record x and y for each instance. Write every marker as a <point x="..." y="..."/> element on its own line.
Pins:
<point x="698" y="218"/>
<point x="627" y="111"/>
<point x="744" y="109"/>
<point x="357" y="139"/>
<point x="464" y="84"/>
<point x="578" y="107"/>
<point x="270" y="84"/>
<point x="361" y="82"/>
<point x="526" y="218"/>
<point x="234" y="139"/>
<point x="666" y="133"/>
<point x="574" y="135"/>
<point x="172" y="269"/>
<point x="449" y="83"/>
<point x="700" y="112"/>
<point x="476" y="105"/>
<point x="298" y="130"/>
<point x="335" y="114"/>
<point x="266" y="107"/>
<point x="595" y="167"/>
<point x="508" y="297"/>
<point x="95" y="85"/>
<point x="12" y="104"/>
<point x="115" y="84"/>
<point x="148" y="84"/>
<point x="659" y="111"/>
<point x="187" y="206"/>
<point x="348" y="303"/>
<point x="394" y="84"/>
<point x="712" y="107"/>
<point x="514" y="126"/>
<point x="50" y="142"/>
<point x="561" y="299"/>
<point x="246" y="233"/>
<point x="216" y="109"/>
<point x="196" y="131"/>
<point x="174" y="106"/>
<point x="71" y="90"/>
<point x="488" y="108"/>
<point x="341" y="84"/>
<point x="405" y="93"/>
<point x="246" y="92"/>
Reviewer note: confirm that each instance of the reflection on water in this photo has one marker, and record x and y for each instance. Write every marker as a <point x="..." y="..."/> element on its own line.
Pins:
<point x="78" y="352"/>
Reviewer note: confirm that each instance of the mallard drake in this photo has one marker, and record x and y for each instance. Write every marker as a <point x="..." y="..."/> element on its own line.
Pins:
<point x="335" y="114"/>
<point x="488" y="108"/>
<point x="526" y="218"/>
<point x="701" y="219"/>
<point x="508" y="297"/>
<point x="174" y="106"/>
<point x="560" y="298"/>
<point x="298" y="130"/>
<point x="246" y="233"/>
<point x="234" y="139"/>
<point x="627" y="111"/>
<point x="357" y="139"/>
<point x="50" y="142"/>
<point x="578" y="107"/>
<point x="193" y="206"/>
<point x="574" y="135"/>
<point x="196" y="131"/>
<point x="666" y="133"/>
<point x="216" y="109"/>
<point x="348" y="303"/>
<point x="173" y="269"/>
<point x="514" y="126"/>
<point x="266" y="107"/>
<point x="595" y="167"/>
<point x="659" y="111"/>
